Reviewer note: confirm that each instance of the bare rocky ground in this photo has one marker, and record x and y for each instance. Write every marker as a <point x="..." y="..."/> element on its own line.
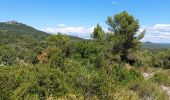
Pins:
<point x="162" y="87"/>
<point x="166" y="89"/>
<point x="148" y="75"/>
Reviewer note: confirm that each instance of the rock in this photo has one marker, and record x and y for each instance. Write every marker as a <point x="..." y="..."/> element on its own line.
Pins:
<point x="147" y="75"/>
<point x="166" y="89"/>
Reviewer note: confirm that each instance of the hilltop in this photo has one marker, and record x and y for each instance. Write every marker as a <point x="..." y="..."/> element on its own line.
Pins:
<point x="14" y="27"/>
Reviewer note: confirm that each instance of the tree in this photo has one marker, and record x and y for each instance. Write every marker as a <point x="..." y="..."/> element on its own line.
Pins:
<point x="98" y="33"/>
<point x="125" y="28"/>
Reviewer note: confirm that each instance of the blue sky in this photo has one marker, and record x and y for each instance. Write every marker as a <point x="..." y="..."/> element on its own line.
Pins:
<point x="78" y="17"/>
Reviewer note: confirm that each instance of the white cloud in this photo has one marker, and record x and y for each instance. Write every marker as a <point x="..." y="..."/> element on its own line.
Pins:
<point x="83" y="32"/>
<point x="61" y="25"/>
<point x="157" y="33"/>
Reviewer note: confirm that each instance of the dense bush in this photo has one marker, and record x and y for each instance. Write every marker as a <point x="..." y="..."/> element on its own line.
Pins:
<point x="27" y="81"/>
<point x="8" y="55"/>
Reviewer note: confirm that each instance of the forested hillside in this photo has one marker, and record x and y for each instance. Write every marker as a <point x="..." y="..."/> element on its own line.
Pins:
<point x="112" y="65"/>
<point x="14" y="27"/>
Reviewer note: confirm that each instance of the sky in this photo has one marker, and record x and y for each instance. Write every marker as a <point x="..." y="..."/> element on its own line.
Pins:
<point x="79" y="17"/>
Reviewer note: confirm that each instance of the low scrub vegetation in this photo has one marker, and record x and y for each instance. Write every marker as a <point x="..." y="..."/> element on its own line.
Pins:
<point x="108" y="66"/>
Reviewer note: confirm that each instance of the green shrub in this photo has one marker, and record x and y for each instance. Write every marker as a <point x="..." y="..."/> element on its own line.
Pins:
<point x="161" y="78"/>
<point x="123" y="76"/>
<point x="27" y="81"/>
<point x="147" y="90"/>
<point x="57" y="60"/>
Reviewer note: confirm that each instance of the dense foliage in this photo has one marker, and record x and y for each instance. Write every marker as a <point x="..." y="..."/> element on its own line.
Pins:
<point x="39" y="66"/>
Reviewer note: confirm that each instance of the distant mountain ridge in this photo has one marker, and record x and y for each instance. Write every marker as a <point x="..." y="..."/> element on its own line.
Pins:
<point x="13" y="32"/>
<point x="151" y="45"/>
<point x="19" y="28"/>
